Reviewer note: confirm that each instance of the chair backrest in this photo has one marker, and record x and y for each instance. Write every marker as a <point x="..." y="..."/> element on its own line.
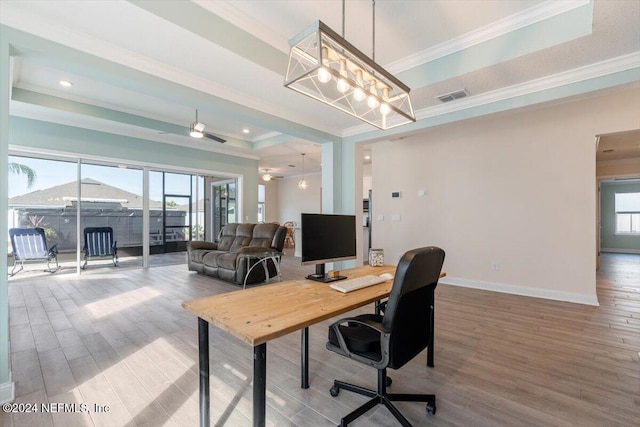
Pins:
<point x="28" y="243"/>
<point x="407" y="313"/>
<point x="98" y="241"/>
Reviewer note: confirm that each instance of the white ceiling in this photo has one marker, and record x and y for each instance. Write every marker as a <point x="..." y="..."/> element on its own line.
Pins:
<point x="619" y="145"/>
<point x="227" y="58"/>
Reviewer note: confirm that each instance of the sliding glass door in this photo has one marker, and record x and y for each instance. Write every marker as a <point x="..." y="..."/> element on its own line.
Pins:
<point x="112" y="196"/>
<point x="66" y="196"/>
<point x="223" y="205"/>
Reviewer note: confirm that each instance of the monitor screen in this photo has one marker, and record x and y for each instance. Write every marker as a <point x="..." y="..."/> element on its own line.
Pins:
<point x="327" y="238"/>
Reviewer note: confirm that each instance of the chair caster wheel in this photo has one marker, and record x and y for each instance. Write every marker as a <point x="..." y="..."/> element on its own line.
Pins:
<point x="389" y="381"/>
<point x="334" y="391"/>
<point x="431" y="408"/>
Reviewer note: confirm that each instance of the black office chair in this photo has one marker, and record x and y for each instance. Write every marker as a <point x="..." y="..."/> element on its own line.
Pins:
<point x="391" y="340"/>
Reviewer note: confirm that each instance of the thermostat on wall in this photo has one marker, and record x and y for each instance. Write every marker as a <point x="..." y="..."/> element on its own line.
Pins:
<point x="395" y="194"/>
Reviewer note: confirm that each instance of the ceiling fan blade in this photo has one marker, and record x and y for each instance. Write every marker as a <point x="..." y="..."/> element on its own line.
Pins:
<point x="215" y="138"/>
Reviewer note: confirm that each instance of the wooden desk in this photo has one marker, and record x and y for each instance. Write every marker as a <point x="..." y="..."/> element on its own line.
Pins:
<point x="261" y="314"/>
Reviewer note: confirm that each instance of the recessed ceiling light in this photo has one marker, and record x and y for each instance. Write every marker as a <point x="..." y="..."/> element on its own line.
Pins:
<point x="66" y="83"/>
<point x="245" y="130"/>
<point x="367" y="157"/>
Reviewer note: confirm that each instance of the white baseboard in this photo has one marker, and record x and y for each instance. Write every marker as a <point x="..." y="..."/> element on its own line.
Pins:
<point x="621" y="251"/>
<point x="7" y="391"/>
<point x="522" y="290"/>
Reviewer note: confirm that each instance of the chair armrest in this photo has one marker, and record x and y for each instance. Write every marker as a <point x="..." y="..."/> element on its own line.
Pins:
<point x="385" y="336"/>
<point x="198" y="244"/>
<point x="53" y="250"/>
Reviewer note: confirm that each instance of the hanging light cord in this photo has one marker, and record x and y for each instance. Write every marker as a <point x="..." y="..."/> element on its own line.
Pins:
<point x="343" y="18"/>
<point x="373" y="26"/>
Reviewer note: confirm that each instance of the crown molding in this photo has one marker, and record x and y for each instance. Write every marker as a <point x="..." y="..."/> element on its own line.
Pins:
<point x="593" y="71"/>
<point x="587" y="72"/>
<point x="491" y="31"/>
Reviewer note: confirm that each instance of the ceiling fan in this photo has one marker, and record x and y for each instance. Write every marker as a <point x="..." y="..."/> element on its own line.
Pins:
<point x="196" y="130"/>
<point x="268" y="177"/>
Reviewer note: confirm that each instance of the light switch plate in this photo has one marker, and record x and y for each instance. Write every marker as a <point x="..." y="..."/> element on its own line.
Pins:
<point x="395" y="218"/>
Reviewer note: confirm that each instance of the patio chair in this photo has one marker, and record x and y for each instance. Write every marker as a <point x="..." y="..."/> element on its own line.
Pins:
<point x="30" y="245"/>
<point x="99" y="243"/>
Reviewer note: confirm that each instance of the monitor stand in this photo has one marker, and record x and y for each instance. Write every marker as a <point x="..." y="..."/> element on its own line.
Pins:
<point x="320" y="275"/>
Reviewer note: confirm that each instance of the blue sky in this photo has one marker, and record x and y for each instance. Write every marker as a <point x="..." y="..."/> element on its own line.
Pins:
<point x="50" y="173"/>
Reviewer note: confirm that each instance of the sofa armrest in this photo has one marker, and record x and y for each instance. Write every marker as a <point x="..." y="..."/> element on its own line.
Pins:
<point x="198" y="244"/>
<point x="255" y="250"/>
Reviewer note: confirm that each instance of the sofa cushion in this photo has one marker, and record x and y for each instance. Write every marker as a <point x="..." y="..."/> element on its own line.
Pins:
<point x="227" y="236"/>
<point x="263" y="235"/>
<point x="211" y="258"/>
<point x="227" y="260"/>
<point x="243" y="236"/>
<point x="198" y="254"/>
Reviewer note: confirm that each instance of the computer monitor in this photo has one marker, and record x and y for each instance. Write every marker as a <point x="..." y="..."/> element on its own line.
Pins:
<point x="327" y="238"/>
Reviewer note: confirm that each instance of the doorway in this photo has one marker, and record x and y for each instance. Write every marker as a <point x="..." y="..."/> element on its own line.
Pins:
<point x="617" y="174"/>
<point x="223" y="205"/>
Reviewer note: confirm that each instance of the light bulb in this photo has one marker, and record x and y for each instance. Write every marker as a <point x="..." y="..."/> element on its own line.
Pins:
<point x="342" y="86"/>
<point x="372" y="102"/>
<point x="302" y="184"/>
<point x="324" y="75"/>
<point x="384" y="109"/>
<point x="358" y="92"/>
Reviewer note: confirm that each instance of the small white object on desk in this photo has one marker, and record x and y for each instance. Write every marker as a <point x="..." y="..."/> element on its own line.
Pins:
<point x="386" y="276"/>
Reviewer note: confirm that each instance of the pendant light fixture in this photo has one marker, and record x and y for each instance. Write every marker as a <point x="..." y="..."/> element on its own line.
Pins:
<point x="326" y="67"/>
<point x="302" y="184"/>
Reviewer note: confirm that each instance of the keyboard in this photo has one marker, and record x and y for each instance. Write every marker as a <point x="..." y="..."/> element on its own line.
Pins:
<point x="349" y="285"/>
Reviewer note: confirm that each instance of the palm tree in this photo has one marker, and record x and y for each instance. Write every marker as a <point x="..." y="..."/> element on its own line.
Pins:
<point x="20" y="169"/>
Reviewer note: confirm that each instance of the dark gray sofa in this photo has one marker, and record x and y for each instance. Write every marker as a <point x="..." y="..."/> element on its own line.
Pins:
<point x="227" y="258"/>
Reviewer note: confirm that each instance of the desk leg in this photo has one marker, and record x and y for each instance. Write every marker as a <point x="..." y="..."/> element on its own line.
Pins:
<point x="431" y="328"/>
<point x="203" y="356"/>
<point x="304" y="362"/>
<point x="259" y="385"/>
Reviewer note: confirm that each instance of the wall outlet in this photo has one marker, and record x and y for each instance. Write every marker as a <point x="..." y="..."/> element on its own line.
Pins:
<point x="380" y="217"/>
<point x="495" y="266"/>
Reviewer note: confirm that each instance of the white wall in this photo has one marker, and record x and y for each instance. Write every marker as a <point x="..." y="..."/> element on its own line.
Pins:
<point x="516" y="189"/>
<point x="292" y="201"/>
<point x="272" y="213"/>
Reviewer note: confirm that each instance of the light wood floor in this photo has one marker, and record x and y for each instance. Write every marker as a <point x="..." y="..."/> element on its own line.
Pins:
<point x="121" y="339"/>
